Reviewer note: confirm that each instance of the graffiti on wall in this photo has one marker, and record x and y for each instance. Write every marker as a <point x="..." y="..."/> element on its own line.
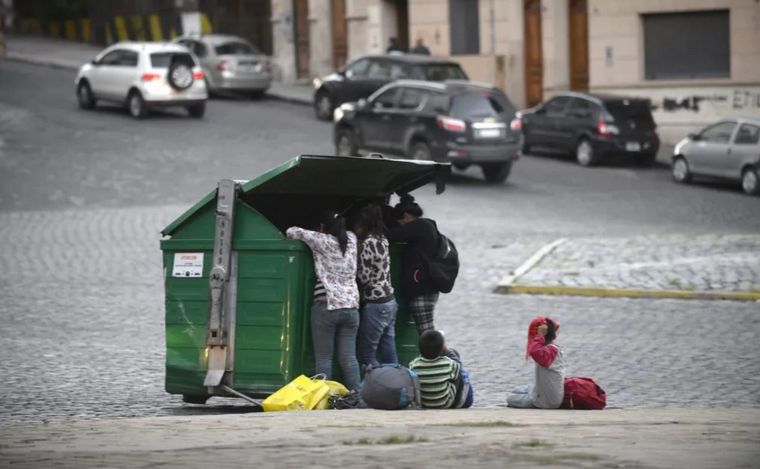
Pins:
<point x="727" y="100"/>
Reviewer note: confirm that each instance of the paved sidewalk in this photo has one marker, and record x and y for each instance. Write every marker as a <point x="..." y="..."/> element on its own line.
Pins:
<point x="72" y="55"/>
<point x="373" y="439"/>
<point x="677" y="266"/>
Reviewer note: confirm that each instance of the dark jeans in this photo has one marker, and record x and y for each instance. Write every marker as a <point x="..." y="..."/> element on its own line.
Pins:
<point x="331" y="328"/>
<point x="377" y="333"/>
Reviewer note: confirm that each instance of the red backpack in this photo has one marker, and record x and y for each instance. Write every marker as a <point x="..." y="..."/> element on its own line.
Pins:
<point x="583" y="393"/>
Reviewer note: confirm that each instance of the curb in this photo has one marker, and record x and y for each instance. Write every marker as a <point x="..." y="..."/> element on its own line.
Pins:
<point x="289" y="99"/>
<point x="626" y="293"/>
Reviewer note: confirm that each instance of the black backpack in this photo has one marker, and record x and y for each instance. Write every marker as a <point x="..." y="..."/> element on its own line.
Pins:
<point x="443" y="267"/>
<point x="391" y="387"/>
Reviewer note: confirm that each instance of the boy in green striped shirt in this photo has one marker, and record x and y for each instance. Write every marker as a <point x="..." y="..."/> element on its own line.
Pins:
<point x="444" y="383"/>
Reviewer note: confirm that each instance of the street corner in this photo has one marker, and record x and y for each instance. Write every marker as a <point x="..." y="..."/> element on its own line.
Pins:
<point x="704" y="267"/>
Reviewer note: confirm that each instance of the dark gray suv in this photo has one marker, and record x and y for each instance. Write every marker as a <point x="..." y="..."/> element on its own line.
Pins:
<point x="461" y="122"/>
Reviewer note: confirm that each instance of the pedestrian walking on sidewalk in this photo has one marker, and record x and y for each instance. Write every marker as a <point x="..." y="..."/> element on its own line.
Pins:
<point x="421" y="236"/>
<point x="548" y="390"/>
<point x="335" y="311"/>
<point x="377" y="327"/>
<point x="420" y="48"/>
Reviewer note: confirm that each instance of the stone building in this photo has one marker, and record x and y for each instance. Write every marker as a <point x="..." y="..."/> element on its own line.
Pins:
<point x="697" y="60"/>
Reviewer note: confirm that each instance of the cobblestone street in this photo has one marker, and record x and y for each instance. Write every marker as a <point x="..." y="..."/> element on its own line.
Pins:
<point x="81" y="281"/>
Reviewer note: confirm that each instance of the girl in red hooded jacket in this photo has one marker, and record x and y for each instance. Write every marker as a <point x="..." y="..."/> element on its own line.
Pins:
<point x="548" y="390"/>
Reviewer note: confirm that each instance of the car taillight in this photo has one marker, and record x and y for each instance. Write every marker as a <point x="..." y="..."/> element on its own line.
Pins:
<point x="150" y="76"/>
<point x="605" y="129"/>
<point x="450" y="124"/>
<point x="198" y="75"/>
<point x="516" y="124"/>
<point x="222" y="65"/>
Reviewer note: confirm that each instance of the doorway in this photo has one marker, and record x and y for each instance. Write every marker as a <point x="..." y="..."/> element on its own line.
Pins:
<point x="402" y="24"/>
<point x="339" y="33"/>
<point x="301" y="8"/>
<point x="534" y="60"/>
<point x="578" y="44"/>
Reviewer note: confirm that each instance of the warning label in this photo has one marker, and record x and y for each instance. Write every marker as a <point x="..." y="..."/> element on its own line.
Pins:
<point x="188" y="264"/>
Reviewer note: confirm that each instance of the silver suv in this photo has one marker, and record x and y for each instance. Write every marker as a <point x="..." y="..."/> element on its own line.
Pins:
<point x="143" y="75"/>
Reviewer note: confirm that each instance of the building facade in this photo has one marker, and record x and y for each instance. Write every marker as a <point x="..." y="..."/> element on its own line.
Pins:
<point x="697" y="60"/>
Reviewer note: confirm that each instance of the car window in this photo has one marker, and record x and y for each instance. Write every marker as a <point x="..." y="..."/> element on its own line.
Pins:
<point x="379" y="69"/>
<point x="411" y="98"/>
<point x="399" y="70"/>
<point x="163" y="59"/>
<point x="582" y="108"/>
<point x="631" y="110"/>
<point x="128" y="58"/>
<point x="471" y="105"/>
<point x="111" y="58"/>
<point x="198" y="48"/>
<point x="357" y="69"/>
<point x="386" y="100"/>
<point x="440" y="72"/>
<point x="748" y="134"/>
<point x="556" y="106"/>
<point x="236" y="48"/>
<point x="718" y="133"/>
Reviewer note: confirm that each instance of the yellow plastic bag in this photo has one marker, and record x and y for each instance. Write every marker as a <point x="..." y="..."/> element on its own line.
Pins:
<point x="303" y="393"/>
<point x="334" y="389"/>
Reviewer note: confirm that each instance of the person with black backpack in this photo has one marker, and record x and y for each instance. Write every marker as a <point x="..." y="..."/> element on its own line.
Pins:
<point x="423" y="249"/>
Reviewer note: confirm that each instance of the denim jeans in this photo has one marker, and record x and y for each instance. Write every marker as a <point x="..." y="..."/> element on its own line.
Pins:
<point x="331" y="329"/>
<point x="377" y="333"/>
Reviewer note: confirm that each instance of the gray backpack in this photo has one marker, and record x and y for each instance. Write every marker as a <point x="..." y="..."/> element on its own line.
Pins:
<point x="391" y="387"/>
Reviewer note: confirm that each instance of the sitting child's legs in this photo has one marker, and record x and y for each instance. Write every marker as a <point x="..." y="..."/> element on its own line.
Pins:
<point x="521" y="397"/>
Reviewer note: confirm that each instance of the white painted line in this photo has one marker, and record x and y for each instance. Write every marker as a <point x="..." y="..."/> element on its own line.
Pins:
<point x="545" y="250"/>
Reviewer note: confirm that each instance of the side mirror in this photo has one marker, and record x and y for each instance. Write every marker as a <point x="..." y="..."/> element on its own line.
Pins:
<point x="94" y="61"/>
<point x="341" y="73"/>
<point x="362" y="103"/>
<point x="694" y="137"/>
<point x="541" y="110"/>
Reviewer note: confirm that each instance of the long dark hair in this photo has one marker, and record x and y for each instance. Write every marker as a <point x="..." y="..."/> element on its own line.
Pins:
<point x="334" y="224"/>
<point x="369" y="220"/>
<point x="406" y="204"/>
<point x="551" y="331"/>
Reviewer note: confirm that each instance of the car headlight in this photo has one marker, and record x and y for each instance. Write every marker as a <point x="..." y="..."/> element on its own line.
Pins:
<point x="338" y="114"/>
<point x="317" y="83"/>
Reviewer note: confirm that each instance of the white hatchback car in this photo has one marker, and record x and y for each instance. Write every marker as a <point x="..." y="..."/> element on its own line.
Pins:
<point x="143" y="75"/>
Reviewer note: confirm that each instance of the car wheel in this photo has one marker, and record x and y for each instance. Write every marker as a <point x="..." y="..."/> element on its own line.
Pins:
<point x="137" y="107"/>
<point x="84" y="96"/>
<point x="345" y="143"/>
<point x="323" y="106"/>
<point x="496" y="172"/>
<point x="751" y="181"/>
<point x="681" y="172"/>
<point x="180" y="75"/>
<point x="197" y="110"/>
<point x="584" y="153"/>
<point x="420" y="151"/>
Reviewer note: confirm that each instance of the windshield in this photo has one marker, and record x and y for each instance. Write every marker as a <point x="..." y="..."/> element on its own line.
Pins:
<point x="163" y="59"/>
<point x="236" y="48"/>
<point x="478" y="105"/>
<point x="440" y="72"/>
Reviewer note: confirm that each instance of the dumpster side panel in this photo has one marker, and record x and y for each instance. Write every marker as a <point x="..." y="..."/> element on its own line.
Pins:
<point x="406" y="330"/>
<point x="272" y="316"/>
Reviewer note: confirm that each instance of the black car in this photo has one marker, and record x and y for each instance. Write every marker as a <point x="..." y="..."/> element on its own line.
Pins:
<point x="462" y="122"/>
<point x="591" y="126"/>
<point x="366" y="75"/>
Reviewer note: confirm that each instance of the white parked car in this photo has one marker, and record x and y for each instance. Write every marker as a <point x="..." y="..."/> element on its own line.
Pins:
<point x="143" y="75"/>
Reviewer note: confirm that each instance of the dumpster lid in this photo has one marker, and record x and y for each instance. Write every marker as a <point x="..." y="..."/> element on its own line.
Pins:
<point x="308" y="182"/>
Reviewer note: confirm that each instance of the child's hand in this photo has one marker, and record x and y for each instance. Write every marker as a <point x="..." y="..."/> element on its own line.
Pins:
<point x="543" y="329"/>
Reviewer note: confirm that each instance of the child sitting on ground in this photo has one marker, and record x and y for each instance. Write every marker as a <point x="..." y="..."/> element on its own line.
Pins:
<point x="548" y="389"/>
<point x="444" y="383"/>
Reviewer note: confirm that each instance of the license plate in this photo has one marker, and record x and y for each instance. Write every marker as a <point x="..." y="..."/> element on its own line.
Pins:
<point x="632" y="146"/>
<point x="489" y="133"/>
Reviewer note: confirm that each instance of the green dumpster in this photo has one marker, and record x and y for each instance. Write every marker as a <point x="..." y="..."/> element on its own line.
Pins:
<point x="238" y="293"/>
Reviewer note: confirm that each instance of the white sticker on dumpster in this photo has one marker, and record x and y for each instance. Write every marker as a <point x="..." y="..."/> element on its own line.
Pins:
<point x="188" y="264"/>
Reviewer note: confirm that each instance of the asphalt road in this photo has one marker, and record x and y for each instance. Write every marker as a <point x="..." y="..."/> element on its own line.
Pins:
<point x="84" y="194"/>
